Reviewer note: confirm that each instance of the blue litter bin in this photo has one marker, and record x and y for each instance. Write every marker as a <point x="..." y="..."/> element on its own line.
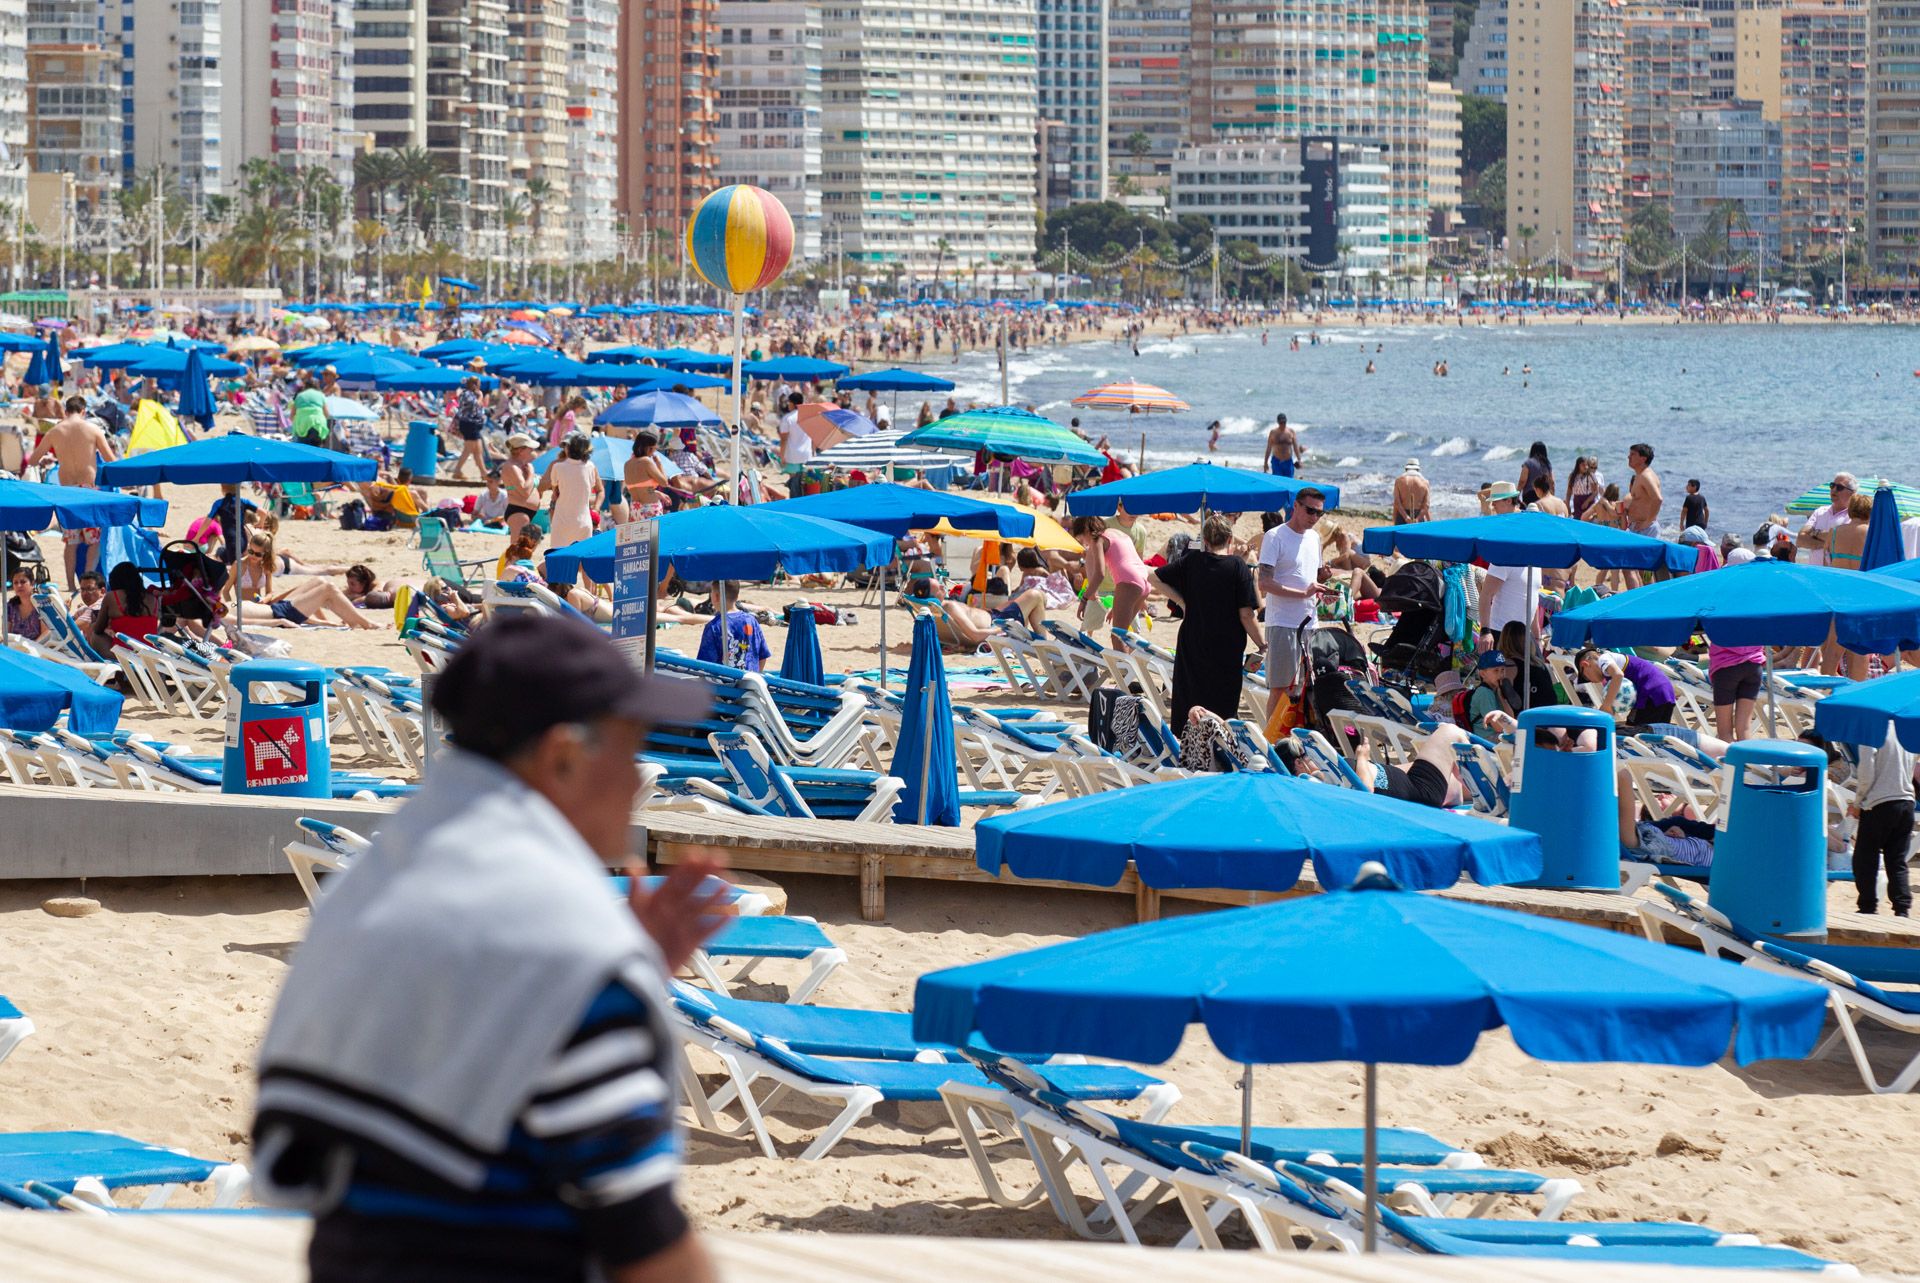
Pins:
<point x="277" y="747"/>
<point x="422" y="455"/>
<point x="1569" y="799"/>
<point x="1770" y="858"/>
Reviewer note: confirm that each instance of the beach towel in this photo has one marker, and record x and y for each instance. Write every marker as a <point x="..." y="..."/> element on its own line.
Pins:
<point x="441" y="975"/>
<point x="154" y="428"/>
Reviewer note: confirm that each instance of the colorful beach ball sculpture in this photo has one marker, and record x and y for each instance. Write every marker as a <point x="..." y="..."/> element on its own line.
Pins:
<point x="740" y="239"/>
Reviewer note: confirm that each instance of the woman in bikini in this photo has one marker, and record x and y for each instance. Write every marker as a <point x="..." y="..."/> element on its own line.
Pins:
<point x="645" y="477"/>
<point x="523" y="498"/>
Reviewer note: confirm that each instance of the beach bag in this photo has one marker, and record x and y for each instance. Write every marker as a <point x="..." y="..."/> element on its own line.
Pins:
<point x="1206" y="744"/>
<point x="353" y="515"/>
<point x="1288" y="713"/>
<point x="1113" y="722"/>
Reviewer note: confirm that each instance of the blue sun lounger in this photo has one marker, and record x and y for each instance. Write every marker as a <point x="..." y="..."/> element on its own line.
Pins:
<point x="15" y="1028"/>
<point x="90" y="1164"/>
<point x="758" y="938"/>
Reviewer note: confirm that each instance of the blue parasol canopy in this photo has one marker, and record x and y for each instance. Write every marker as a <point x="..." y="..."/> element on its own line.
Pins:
<point x="168" y="364"/>
<point x="894" y="380"/>
<point x="236" y="458"/>
<point x="34" y="692"/>
<point x="1375" y="975"/>
<point x="1761" y="603"/>
<point x="923" y="756"/>
<point x="801" y="661"/>
<point x="196" y="398"/>
<point x="658" y="410"/>
<point x="431" y="379"/>
<point x="1519" y="539"/>
<point x="798" y="369"/>
<point x="1197" y="486"/>
<point x="1861" y="713"/>
<point x="894" y="510"/>
<point x="29" y="505"/>
<point x="728" y="542"/>
<point x="1884" y="547"/>
<point x="1250" y="832"/>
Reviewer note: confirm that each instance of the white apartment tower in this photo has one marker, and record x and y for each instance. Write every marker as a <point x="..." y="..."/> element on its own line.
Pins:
<point x="1483" y="63"/>
<point x="538" y="50"/>
<point x="769" y="108"/>
<point x="928" y="161"/>
<point x="13" y="102"/>
<point x="1445" y="148"/>
<point x="593" y="128"/>
<point x="1072" y="73"/>
<point x="1149" y="46"/>
<point x="172" y="93"/>
<point x="1566" y="133"/>
<point x="287" y="84"/>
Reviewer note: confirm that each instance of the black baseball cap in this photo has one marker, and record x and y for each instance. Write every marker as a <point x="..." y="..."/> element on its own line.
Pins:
<point x="524" y="673"/>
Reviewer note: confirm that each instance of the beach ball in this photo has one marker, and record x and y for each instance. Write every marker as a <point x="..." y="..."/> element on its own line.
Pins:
<point x="739" y="239"/>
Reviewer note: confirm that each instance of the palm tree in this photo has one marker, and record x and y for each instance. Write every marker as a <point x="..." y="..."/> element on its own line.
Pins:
<point x="540" y="193"/>
<point x="1527" y="232"/>
<point x="941" y="248"/>
<point x="375" y="173"/>
<point x="1650" y="233"/>
<point x="418" y="174"/>
<point x="253" y="251"/>
<point x="514" y="214"/>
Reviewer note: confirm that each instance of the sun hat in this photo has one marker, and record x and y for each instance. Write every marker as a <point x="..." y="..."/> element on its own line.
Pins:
<point x="521" y="441"/>
<point x="1412" y="465"/>
<point x="1693" y="535"/>
<point x="1503" y="490"/>
<point x="1447" y="683"/>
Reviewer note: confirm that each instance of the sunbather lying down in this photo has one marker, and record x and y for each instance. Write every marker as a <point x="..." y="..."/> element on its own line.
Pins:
<point x="1431" y="779"/>
<point x="964" y="629"/>
<point x="1670" y="839"/>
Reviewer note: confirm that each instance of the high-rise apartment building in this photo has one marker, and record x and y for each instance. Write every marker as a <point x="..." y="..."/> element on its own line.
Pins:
<point x="1893" y="136"/>
<point x="669" y="65"/>
<point x="287" y="82"/>
<point x="171" y="100"/>
<point x="1271" y="195"/>
<point x="467" y="110"/>
<point x="930" y="128"/>
<point x="1321" y="67"/>
<point x="13" y="102"/>
<point x="389" y="60"/>
<point x="1445" y="149"/>
<point x="1149" y="46"/>
<point x="73" y="99"/>
<point x="593" y="129"/>
<point x="536" y="119"/>
<point x="1072" y="76"/>
<point x="1668" y="72"/>
<point x="1728" y="155"/>
<point x="769" y="107"/>
<point x="1483" y="63"/>
<point x="1806" y="64"/>
<point x="1566" y="132"/>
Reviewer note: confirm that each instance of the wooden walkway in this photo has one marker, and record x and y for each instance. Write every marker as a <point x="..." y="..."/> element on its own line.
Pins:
<point x="872" y="853"/>
<point x="47" y="1247"/>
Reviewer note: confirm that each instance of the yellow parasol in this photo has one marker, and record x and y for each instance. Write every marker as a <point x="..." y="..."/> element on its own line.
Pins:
<point x="253" y="343"/>
<point x="1048" y="534"/>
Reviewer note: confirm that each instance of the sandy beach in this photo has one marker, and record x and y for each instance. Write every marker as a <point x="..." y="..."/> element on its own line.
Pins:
<point x="150" y="1012"/>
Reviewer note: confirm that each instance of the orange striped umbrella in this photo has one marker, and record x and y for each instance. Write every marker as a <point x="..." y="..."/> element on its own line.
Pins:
<point x="1142" y="398"/>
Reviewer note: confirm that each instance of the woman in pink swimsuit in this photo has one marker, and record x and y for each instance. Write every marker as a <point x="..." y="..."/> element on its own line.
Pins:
<point x="1111" y="556"/>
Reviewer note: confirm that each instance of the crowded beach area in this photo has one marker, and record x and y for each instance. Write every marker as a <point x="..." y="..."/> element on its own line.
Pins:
<point x="525" y="786"/>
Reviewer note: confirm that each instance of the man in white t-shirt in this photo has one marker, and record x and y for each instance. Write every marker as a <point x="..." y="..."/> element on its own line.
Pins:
<point x="1290" y="576"/>
<point x="796" y="447"/>
<point x="1508" y="592"/>
<point x="1816" y="537"/>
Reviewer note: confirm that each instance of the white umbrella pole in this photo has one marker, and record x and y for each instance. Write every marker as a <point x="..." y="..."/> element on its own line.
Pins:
<point x="883" y="627"/>
<point x="1246" y="1110"/>
<point x="1372" y="1158"/>
<point x="1773" y="703"/>
<point x="739" y="393"/>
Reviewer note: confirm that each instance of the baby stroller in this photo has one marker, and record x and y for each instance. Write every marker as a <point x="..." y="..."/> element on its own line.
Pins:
<point x="1418" y="644"/>
<point x="190" y="584"/>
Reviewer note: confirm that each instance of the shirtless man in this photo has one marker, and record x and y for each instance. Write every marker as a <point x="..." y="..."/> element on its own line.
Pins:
<point x="1644" y="500"/>
<point x="1283" y="448"/>
<point x="523" y="500"/>
<point x="1410" y="495"/>
<point x="78" y="444"/>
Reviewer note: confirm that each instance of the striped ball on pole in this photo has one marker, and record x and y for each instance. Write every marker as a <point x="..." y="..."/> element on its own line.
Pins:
<point x="740" y="239"/>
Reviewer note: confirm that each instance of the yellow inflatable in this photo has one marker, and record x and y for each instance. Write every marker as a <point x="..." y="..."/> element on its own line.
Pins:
<point x="154" y="428"/>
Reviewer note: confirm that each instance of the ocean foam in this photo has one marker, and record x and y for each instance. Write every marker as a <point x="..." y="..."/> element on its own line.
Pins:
<point x="1499" y="452"/>
<point x="1398" y="436"/>
<point x="1450" y="447"/>
<point x="1351" y="461"/>
<point x="1238" y="425"/>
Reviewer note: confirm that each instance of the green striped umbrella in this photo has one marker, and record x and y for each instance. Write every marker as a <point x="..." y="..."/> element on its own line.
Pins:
<point x="1005" y="429"/>
<point x="1818" y="497"/>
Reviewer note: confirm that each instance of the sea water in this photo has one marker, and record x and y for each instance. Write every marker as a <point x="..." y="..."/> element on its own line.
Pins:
<point x="1758" y="413"/>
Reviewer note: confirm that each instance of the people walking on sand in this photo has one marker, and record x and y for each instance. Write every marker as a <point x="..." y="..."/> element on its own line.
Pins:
<point x="1293" y="580"/>
<point x="1693" y="508"/>
<point x="1584" y="485"/>
<point x="78" y="444"/>
<point x="1283" y="448"/>
<point x="1644" y="499"/>
<point x="1215" y="593"/>
<point x="1412" y="495"/>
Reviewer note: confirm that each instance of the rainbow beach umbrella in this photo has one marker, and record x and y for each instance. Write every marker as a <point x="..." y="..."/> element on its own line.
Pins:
<point x="827" y="425"/>
<point x="1131" y="397"/>
<point x="1008" y="430"/>
<point x="1818" y="497"/>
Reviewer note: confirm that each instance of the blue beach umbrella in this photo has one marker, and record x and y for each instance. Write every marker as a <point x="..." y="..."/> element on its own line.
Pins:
<point x="658" y="410"/>
<point x="34" y="692"/>
<point x="1884" y="547"/>
<point x="169" y="364"/>
<point x="795" y="369"/>
<point x="432" y="379"/>
<point x="29" y="505"/>
<point x="38" y="372"/>
<point x="1194" y="487"/>
<point x="345" y="407"/>
<point x="610" y="455"/>
<point x="801" y="661"/>
<point x="725" y="541"/>
<point x="1250" y="832"/>
<point x="233" y="459"/>
<point x="196" y="398"/>
<point x="1518" y="539"/>
<point x="924" y="756"/>
<point x="1862" y="712"/>
<point x="1375" y="975"/>
<point x="894" y="380"/>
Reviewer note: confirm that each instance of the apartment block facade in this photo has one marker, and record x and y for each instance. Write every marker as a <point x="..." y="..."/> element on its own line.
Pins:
<point x="1669" y="72"/>
<point x="1566" y="133"/>
<point x="770" y="110"/>
<point x="1728" y="156"/>
<point x="1893" y="136"/>
<point x="287" y="82"/>
<point x="594" y="113"/>
<point x="171" y="92"/>
<point x="13" y="102"/>
<point x="1149" y="47"/>
<point x="1071" y="74"/>
<point x="669" y="77"/>
<point x="1806" y="63"/>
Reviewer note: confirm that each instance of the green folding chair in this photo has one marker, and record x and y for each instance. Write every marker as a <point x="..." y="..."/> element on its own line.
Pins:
<point x="437" y="555"/>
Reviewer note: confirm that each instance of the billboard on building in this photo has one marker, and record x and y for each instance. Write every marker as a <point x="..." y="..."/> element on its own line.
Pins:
<point x="1320" y="169"/>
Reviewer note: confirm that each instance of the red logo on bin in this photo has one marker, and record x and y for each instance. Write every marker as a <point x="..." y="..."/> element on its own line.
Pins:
<point x="275" y="752"/>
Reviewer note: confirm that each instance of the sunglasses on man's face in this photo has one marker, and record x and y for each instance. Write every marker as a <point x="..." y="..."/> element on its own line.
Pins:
<point x="1311" y="512"/>
<point x="1841" y="486"/>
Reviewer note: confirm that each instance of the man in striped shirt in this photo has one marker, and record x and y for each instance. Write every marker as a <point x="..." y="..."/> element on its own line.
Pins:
<point x="468" y="1076"/>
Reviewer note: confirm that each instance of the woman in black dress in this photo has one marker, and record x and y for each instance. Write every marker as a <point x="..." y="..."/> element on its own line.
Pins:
<point x="1214" y="590"/>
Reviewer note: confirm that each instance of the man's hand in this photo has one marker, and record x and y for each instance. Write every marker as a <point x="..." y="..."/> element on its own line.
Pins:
<point x="680" y="915"/>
